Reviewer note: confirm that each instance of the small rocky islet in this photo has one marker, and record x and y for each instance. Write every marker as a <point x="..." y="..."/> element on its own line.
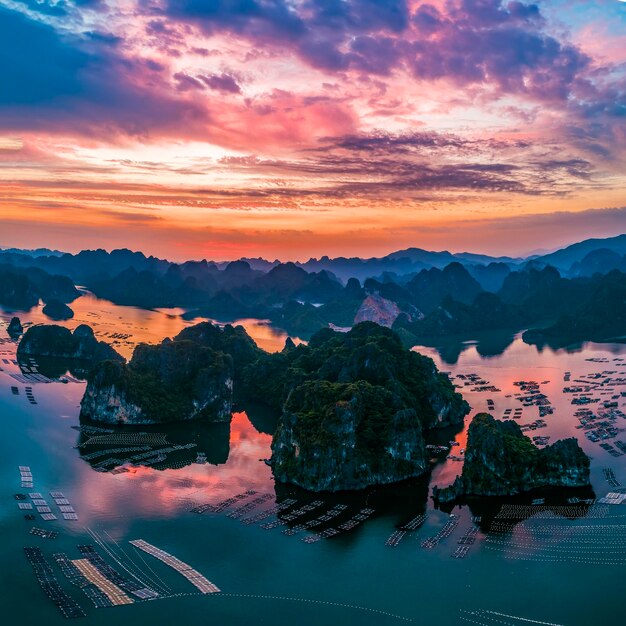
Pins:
<point x="354" y="407"/>
<point x="59" y="342"/>
<point x="501" y="461"/>
<point x="57" y="310"/>
<point x="15" y="328"/>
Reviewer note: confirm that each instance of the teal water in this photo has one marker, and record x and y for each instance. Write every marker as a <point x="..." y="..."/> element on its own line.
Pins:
<point x="549" y="568"/>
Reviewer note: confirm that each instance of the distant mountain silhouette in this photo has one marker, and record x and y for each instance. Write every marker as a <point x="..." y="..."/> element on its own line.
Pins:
<point x="421" y="293"/>
<point x="566" y="257"/>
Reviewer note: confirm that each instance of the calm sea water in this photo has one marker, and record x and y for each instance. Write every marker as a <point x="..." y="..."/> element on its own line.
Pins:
<point x="564" y="567"/>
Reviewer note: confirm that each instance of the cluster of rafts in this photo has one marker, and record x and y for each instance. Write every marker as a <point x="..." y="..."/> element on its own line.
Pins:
<point x="104" y="585"/>
<point x="287" y="513"/>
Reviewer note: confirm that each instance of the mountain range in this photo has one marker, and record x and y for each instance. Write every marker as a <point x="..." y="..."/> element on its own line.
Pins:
<point x="418" y="292"/>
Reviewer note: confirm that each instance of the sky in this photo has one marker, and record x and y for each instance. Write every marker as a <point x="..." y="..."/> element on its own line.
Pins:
<point x="296" y="128"/>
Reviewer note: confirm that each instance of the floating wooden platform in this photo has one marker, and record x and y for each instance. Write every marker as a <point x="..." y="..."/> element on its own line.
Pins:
<point x="192" y="575"/>
<point x="48" y="582"/>
<point x="112" y="591"/>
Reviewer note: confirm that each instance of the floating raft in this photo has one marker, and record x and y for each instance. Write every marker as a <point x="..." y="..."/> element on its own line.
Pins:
<point x="126" y="584"/>
<point x="611" y="498"/>
<point x="78" y="579"/>
<point x="67" y="510"/>
<point x="326" y="534"/>
<point x="609" y="475"/>
<point x="285" y="504"/>
<point x="46" y="534"/>
<point x="395" y="538"/>
<point x="50" y="585"/>
<point x="193" y="576"/>
<point x="359" y="518"/>
<point x="445" y="532"/>
<point x="31" y="378"/>
<point x="460" y="552"/>
<point x="523" y="512"/>
<point x="109" y="589"/>
<point x="469" y="538"/>
<point x="222" y="506"/>
<point x="246" y="508"/>
<point x="26" y="477"/>
<point x="415" y="523"/>
<point x="110" y="451"/>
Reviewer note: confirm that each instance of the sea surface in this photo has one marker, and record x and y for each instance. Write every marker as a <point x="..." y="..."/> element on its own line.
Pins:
<point x="557" y="561"/>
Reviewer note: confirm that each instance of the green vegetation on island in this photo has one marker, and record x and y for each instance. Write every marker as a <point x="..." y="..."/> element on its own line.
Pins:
<point x="501" y="461"/>
<point x="353" y="408"/>
<point x="190" y="377"/>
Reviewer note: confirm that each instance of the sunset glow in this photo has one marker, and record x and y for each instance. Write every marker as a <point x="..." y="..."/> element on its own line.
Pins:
<point x="296" y="128"/>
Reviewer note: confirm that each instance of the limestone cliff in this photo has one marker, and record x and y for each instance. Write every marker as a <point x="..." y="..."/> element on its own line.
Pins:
<point x="175" y="381"/>
<point x="501" y="461"/>
<point x="188" y="378"/>
<point x="346" y="436"/>
<point x="355" y="407"/>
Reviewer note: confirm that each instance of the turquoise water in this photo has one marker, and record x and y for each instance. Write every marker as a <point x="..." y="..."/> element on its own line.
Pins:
<point x="550" y="568"/>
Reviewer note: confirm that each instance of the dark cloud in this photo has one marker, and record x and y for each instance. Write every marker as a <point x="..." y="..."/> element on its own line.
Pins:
<point x="36" y="66"/>
<point x="487" y="41"/>
<point x="380" y="141"/>
<point x="420" y="165"/>
<point x="185" y="82"/>
<point x="224" y="83"/>
<point x="318" y="29"/>
<point x="83" y="84"/>
<point x="125" y="216"/>
<point x="221" y="82"/>
<point x="474" y="41"/>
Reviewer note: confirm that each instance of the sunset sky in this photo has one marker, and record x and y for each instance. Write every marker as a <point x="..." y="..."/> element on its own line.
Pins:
<point x="297" y="128"/>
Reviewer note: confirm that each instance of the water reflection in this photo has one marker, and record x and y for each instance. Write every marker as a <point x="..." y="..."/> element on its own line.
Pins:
<point x="221" y="461"/>
<point x="125" y="326"/>
<point x="486" y="344"/>
<point x="171" y="487"/>
<point x="262" y="417"/>
<point x="170" y="446"/>
<point x="564" y="503"/>
<point x="55" y="369"/>
<point x="496" y="343"/>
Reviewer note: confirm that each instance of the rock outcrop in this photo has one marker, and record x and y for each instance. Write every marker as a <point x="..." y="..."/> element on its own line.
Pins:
<point x="354" y="406"/>
<point x="501" y="461"/>
<point x="57" y="310"/>
<point x="15" y="328"/>
<point x="377" y="309"/>
<point x="172" y="382"/>
<point x="188" y="378"/>
<point x="58" y="342"/>
<point x="336" y="436"/>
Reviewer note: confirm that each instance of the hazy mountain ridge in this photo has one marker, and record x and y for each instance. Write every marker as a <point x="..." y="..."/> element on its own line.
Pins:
<point x="458" y="298"/>
<point x="90" y="263"/>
